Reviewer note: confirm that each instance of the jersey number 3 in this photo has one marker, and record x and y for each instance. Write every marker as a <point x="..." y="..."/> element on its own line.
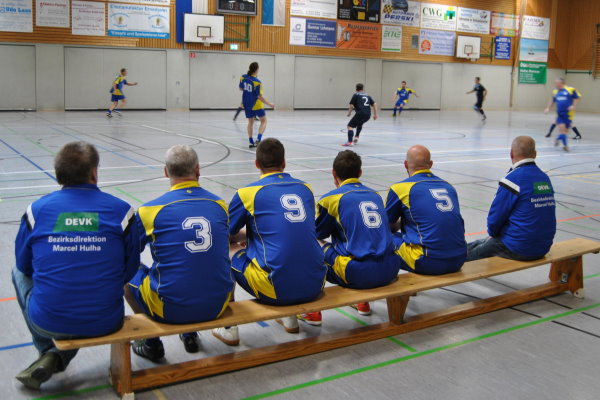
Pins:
<point x="293" y="203"/>
<point x="445" y="204"/>
<point x="203" y="240"/>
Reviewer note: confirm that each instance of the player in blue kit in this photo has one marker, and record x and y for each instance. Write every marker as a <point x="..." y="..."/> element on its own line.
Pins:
<point x="425" y="209"/>
<point x="401" y="99"/>
<point x="75" y="249"/>
<point x="117" y="94"/>
<point x="361" y="103"/>
<point x="282" y="263"/>
<point x="361" y="254"/>
<point x="566" y="99"/>
<point x="254" y="103"/>
<point x="187" y="231"/>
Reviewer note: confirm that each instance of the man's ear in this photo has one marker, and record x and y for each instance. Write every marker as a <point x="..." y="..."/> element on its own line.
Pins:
<point x="283" y="166"/>
<point x="406" y="164"/>
<point x="166" y="173"/>
<point x="256" y="164"/>
<point x="360" y="173"/>
<point x="94" y="176"/>
<point x="430" y="164"/>
<point x="197" y="171"/>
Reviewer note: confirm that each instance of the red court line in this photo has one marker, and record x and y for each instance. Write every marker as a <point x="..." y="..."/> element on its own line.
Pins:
<point x="8" y="299"/>
<point x="559" y="220"/>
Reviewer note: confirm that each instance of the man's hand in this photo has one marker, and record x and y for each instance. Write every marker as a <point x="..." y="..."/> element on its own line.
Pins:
<point x="571" y="108"/>
<point x="375" y="117"/>
<point x="546" y="110"/>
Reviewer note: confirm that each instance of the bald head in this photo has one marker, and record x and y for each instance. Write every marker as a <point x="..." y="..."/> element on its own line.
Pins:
<point x="418" y="158"/>
<point x="522" y="147"/>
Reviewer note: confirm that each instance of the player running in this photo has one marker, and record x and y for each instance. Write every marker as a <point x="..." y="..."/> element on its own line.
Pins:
<point x="361" y="103"/>
<point x="566" y="99"/>
<point x="117" y="93"/>
<point x="254" y="103"/>
<point x="573" y="127"/>
<point x="401" y="98"/>
<point x="481" y="93"/>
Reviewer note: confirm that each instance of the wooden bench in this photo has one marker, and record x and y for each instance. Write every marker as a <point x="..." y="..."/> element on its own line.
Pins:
<point x="566" y="274"/>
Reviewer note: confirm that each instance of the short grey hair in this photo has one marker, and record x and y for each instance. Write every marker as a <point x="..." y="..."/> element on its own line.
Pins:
<point x="560" y="79"/>
<point x="523" y="146"/>
<point x="181" y="161"/>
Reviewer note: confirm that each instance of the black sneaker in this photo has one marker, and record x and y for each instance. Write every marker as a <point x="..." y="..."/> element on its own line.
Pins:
<point x="190" y="342"/>
<point x="578" y="137"/>
<point x="549" y="134"/>
<point x="40" y="371"/>
<point x="153" y="353"/>
<point x="252" y="145"/>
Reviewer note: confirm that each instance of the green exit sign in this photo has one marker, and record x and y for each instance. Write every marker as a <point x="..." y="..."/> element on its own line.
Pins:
<point x="234" y="46"/>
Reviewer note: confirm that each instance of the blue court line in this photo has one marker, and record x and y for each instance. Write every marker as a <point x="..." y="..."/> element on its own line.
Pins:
<point x="23" y="156"/>
<point x="16" y="346"/>
<point x="103" y="148"/>
<point x="263" y="324"/>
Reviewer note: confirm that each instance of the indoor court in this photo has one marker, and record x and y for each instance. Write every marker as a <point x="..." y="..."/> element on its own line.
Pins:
<point x="55" y="85"/>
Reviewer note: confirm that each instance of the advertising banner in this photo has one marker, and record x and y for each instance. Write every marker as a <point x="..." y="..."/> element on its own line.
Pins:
<point x="532" y="73"/>
<point x="504" y="24"/>
<point x="359" y="10"/>
<point x="437" y="42"/>
<point x="358" y="36"/>
<point x="536" y="28"/>
<point x="438" y="16"/>
<point x="16" y="16"/>
<point x="474" y="21"/>
<point x="391" y="38"/>
<point x="405" y="13"/>
<point x="53" y="13"/>
<point x="128" y="20"/>
<point x="533" y="50"/>
<point x="502" y="49"/>
<point x="312" y="32"/>
<point x="314" y="8"/>
<point x="87" y="18"/>
<point x="148" y="2"/>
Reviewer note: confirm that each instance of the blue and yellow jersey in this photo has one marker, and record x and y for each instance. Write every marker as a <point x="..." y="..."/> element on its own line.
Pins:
<point x="187" y="231"/>
<point x="354" y="216"/>
<point x="404" y="94"/>
<point x="80" y="246"/>
<point x="251" y="89"/>
<point x="430" y="217"/>
<point x="563" y="99"/>
<point x="118" y="82"/>
<point x="278" y="212"/>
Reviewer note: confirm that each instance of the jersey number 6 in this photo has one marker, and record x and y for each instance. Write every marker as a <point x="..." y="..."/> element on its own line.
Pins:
<point x="370" y="215"/>
<point x="203" y="234"/>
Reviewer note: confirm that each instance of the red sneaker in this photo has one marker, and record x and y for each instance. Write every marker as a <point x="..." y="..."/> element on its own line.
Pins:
<point x="347" y="144"/>
<point x="311" y="318"/>
<point x="363" y="308"/>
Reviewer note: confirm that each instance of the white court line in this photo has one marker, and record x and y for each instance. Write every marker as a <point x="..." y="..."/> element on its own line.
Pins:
<point x="399" y="164"/>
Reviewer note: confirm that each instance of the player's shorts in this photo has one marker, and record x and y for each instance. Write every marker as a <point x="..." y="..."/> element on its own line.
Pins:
<point x="255" y="113"/>
<point x="401" y="103"/>
<point x="360" y="274"/>
<point x="564" y="119"/>
<point x="427" y="265"/>
<point x="358" y="119"/>
<point x="479" y="104"/>
<point x="117" y="97"/>
<point x="256" y="281"/>
<point x="154" y="306"/>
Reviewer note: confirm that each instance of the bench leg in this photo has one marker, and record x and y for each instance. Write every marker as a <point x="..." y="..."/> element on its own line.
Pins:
<point x="120" y="369"/>
<point x="569" y="271"/>
<point x="396" y="308"/>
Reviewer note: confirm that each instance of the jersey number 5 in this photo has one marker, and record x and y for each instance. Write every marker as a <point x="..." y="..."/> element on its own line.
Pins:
<point x="370" y="215"/>
<point x="442" y="195"/>
<point x="293" y="203"/>
<point x="203" y="234"/>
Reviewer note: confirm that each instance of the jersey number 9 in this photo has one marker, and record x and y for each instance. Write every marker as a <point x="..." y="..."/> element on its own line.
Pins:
<point x="203" y="234"/>
<point x="293" y="203"/>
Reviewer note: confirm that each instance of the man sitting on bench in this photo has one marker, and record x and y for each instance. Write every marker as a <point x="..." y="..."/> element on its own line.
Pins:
<point x="522" y="218"/>
<point x="283" y="262"/>
<point x="361" y="254"/>
<point x="431" y="240"/>
<point x="190" y="278"/>
<point x="75" y="250"/>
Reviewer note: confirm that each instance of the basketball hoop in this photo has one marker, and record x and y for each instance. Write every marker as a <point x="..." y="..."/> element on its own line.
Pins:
<point x="470" y="57"/>
<point x="204" y="39"/>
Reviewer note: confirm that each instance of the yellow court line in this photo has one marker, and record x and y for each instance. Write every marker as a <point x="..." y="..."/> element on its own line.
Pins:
<point x="159" y="395"/>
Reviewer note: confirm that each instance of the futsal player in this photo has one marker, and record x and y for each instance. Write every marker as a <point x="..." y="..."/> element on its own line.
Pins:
<point x="361" y="103"/>
<point x="401" y="98"/>
<point x="282" y="263"/>
<point x="573" y="127"/>
<point x="566" y="99"/>
<point x="116" y="93"/>
<point x="254" y="102"/>
<point x="361" y="253"/>
<point x="481" y="93"/>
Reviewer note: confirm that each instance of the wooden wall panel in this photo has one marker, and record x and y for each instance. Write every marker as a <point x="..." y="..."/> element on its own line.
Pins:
<point x="584" y="15"/>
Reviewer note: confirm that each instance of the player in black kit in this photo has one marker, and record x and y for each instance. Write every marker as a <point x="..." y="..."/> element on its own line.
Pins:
<point x="481" y="93"/>
<point x="361" y="103"/>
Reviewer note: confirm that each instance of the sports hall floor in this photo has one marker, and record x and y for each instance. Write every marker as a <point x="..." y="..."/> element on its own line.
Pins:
<point x="547" y="349"/>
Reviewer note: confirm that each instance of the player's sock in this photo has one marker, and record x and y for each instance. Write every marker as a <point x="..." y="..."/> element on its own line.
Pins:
<point x="577" y="134"/>
<point x="563" y="138"/>
<point x="358" y="131"/>
<point x="259" y="137"/>
<point x="350" y="135"/>
<point x="109" y="111"/>
<point x="251" y="140"/>
<point x="395" y="110"/>
<point x="551" y="130"/>
<point x="237" y="112"/>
